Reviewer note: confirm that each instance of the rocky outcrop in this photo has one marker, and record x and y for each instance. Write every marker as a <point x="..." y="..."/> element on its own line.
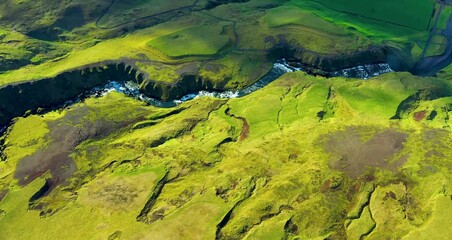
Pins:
<point x="324" y="64"/>
<point x="189" y="83"/>
<point x="17" y="99"/>
<point x="30" y="96"/>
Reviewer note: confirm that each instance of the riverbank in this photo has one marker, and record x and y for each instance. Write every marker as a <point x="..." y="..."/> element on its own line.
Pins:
<point x="43" y="95"/>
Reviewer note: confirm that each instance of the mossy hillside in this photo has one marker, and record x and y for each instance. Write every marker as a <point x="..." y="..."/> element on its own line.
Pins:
<point x="297" y="16"/>
<point x="192" y="42"/>
<point x="18" y="50"/>
<point x="234" y="32"/>
<point x="436" y="225"/>
<point x="236" y="70"/>
<point x="258" y="165"/>
<point x="29" y="135"/>
<point x="388" y="11"/>
<point x="263" y="30"/>
<point x="409" y="37"/>
<point x="361" y="226"/>
<point x="445" y="73"/>
<point x="38" y="133"/>
<point x="124" y="12"/>
<point x="11" y="50"/>
<point x="115" y="49"/>
<point x="331" y="99"/>
<point x="380" y="27"/>
<point x="103" y="211"/>
<point x="134" y="50"/>
<point x="438" y="46"/>
<point x="304" y="29"/>
<point x="44" y="14"/>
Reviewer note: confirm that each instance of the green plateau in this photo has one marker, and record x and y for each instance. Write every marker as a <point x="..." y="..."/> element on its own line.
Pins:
<point x="229" y="41"/>
<point x="314" y="154"/>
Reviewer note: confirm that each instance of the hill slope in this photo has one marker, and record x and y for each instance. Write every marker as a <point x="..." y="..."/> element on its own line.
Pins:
<point x="304" y="156"/>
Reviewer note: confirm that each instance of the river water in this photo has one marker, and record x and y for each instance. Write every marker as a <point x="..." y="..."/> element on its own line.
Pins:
<point x="279" y="68"/>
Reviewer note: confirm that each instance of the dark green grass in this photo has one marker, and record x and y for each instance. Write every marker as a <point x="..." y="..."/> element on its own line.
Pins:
<point x="413" y="14"/>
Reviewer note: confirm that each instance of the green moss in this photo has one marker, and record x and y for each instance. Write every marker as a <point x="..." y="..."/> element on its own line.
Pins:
<point x="290" y="15"/>
<point x="388" y="11"/>
<point x="375" y="20"/>
<point x="257" y="167"/>
<point x="437" y="227"/>
<point x="361" y="226"/>
<point x="98" y="212"/>
<point x="273" y="228"/>
<point x="192" y="42"/>
<point x="163" y="50"/>
<point x="25" y="138"/>
<point x="275" y="180"/>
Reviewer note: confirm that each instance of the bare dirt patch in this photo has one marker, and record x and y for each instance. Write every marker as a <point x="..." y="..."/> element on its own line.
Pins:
<point x="418" y="116"/>
<point x="53" y="159"/>
<point x="65" y="135"/>
<point x="355" y="156"/>
<point x="245" y="133"/>
<point x="245" y="130"/>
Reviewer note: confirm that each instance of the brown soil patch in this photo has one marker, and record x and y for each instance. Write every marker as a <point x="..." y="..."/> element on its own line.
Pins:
<point x="245" y="133"/>
<point x="418" y="116"/>
<point x="65" y="135"/>
<point x="52" y="159"/>
<point x="245" y="130"/>
<point x="326" y="186"/>
<point x="355" y="156"/>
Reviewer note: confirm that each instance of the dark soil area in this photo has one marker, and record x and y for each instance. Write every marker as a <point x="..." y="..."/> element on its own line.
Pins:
<point x="246" y="129"/>
<point x="355" y="156"/>
<point x="66" y="134"/>
<point x="419" y="116"/>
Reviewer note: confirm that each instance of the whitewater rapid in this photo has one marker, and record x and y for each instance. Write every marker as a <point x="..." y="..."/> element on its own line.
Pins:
<point x="279" y="68"/>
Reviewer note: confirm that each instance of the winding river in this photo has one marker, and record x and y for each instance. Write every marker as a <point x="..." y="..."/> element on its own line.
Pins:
<point x="280" y="67"/>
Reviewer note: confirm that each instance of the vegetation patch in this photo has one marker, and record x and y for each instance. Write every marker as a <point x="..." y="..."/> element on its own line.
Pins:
<point x="306" y="157"/>
<point x="388" y="11"/>
<point x="192" y="42"/>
